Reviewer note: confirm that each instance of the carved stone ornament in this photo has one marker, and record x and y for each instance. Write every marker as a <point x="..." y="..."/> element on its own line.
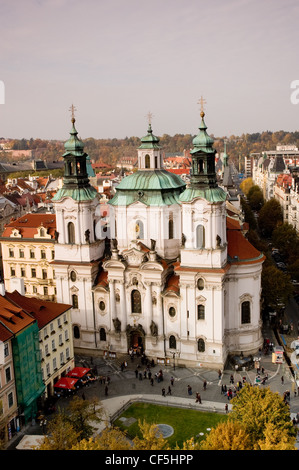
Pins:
<point x="154" y="329"/>
<point x="117" y="325"/>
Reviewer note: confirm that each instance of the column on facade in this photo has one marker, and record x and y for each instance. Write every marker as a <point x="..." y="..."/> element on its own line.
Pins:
<point x="112" y="302"/>
<point x="148" y="306"/>
<point x="123" y="306"/>
<point x="184" y="310"/>
<point x="160" y="313"/>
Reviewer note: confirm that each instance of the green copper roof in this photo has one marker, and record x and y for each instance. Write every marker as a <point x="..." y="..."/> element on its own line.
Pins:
<point x="73" y="146"/>
<point x="210" y="194"/>
<point x="150" y="141"/>
<point x="78" y="194"/>
<point x="203" y="142"/>
<point x="152" y="187"/>
<point x="90" y="170"/>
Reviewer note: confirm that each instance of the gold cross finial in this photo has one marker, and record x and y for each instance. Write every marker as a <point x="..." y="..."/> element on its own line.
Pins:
<point x="202" y="102"/>
<point x="72" y="110"/>
<point x="149" y="117"/>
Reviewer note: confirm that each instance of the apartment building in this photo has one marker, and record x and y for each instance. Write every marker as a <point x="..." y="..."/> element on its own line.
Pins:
<point x="27" y="245"/>
<point x="55" y="337"/>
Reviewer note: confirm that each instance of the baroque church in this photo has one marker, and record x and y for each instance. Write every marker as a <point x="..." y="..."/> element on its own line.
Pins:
<point x="177" y="280"/>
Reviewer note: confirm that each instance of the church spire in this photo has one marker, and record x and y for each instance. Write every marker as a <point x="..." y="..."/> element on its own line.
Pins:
<point x="75" y="179"/>
<point x="203" y="173"/>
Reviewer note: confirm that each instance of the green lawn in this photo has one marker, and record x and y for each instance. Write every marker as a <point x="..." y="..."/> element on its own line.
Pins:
<point x="186" y="423"/>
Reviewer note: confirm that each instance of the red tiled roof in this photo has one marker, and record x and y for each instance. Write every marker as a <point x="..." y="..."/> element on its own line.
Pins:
<point x="13" y="318"/>
<point x="43" y="311"/>
<point x="5" y="334"/>
<point x="102" y="280"/>
<point x="172" y="284"/>
<point x="239" y="249"/>
<point x="29" y="223"/>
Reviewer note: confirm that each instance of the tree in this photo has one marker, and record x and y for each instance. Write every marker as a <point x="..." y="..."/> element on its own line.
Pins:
<point x="109" y="439"/>
<point x="276" y="439"/>
<point x="229" y="435"/>
<point x="256" y="407"/>
<point x="82" y="413"/>
<point x="276" y="286"/>
<point x="73" y="424"/>
<point x="286" y="238"/>
<point x="151" y="438"/>
<point x="248" y="214"/>
<point x="270" y="216"/>
<point x="255" y="198"/>
<point x="61" y="434"/>
<point x="246" y="185"/>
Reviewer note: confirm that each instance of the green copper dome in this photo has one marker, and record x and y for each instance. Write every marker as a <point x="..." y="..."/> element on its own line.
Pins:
<point x="202" y="142"/>
<point x="73" y="145"/>
<point x="150" y="141"/>
<point x="152" y="187"/>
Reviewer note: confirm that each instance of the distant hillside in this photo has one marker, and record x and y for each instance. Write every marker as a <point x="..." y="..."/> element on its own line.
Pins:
<point x="111" y="150"/>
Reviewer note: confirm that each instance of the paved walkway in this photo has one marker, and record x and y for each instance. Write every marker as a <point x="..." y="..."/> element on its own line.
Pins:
<point x="125" y="387"/>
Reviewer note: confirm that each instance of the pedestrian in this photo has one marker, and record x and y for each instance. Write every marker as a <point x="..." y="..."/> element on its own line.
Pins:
<point x="198" y="398"/>
<point x="172" y="381"/>
<point x="226" y="408"/>
<point x="149" y="374"/>
<point x="282" y="380"/>
<point x="140" y="376"/>
<point x="152" y="381"/>
<point x="219" y="374"/>
<point x="163" y="392"/>
<point x="189" y="390"/>
<point x="169" y="390"/>
<point x="136" y="373"/>
<point x="205" y="385"/>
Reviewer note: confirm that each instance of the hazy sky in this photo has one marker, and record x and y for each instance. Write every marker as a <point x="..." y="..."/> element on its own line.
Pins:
<point x="116" y="60"/>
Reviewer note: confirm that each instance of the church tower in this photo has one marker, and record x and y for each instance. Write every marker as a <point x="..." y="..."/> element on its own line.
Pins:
<point x="203" y="208"/>
<point x="77" y="249"/>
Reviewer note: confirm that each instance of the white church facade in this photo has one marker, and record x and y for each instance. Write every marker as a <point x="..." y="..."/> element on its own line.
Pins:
<point x="178" y="279"/>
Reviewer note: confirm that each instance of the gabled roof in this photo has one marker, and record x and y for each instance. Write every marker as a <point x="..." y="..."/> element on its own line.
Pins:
<point x="28" y="224"/>
<point x="12" y="317"/>
<point x="41" y="310"/>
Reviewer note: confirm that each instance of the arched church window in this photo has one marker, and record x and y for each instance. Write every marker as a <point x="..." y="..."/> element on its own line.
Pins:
<point x="71" y="233"/>
<point x="75" y="301"/>
<point x="172" y="342"/>
<point x="245" y="312"/>
<point x="200" y="166"/>
<point x="102" y="305"/>
<point x="147" y="161"/>
<point x="139" y="230"/>
<point x="136" y="301"/>
<point x="102" y="334"/>
<point x="156" y="162"/>
<point x="201" y="345"/>
<point x="200" y="284"/>
<point x="200" y="312"/>
<point x="73" y="276"/>
<point x="200" y="236"/>
<point x="170" y="228"/>
<point x="76" y="332"/>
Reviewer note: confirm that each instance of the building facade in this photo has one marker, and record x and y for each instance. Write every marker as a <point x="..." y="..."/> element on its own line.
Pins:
<point x="177" y="281"/>
<point x="27" y="245"/>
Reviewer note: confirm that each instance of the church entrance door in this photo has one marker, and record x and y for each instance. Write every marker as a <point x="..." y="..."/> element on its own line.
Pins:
<point x="136" y="341"/>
